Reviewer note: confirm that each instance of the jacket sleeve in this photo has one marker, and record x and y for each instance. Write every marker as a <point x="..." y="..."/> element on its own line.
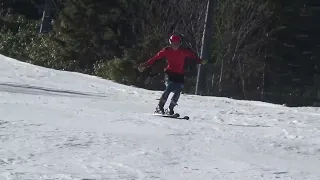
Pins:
<point x="190" y="54"/>
<point x="158" y="56"/>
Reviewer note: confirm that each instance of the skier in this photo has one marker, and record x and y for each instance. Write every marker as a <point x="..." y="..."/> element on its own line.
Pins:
<point x="174" y="72"/>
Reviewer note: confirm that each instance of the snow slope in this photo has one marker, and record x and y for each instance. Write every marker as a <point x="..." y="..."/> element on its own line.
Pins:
<point x="63" y="125"/>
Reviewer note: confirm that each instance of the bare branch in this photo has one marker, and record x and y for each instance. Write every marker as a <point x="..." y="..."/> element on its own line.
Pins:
<point x="242" y="32"/>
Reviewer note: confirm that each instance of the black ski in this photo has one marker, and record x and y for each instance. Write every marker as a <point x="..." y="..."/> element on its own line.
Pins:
<point x="175" y="116"/>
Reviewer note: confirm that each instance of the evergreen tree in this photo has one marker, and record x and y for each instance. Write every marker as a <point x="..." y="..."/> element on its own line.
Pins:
<point x="93" y="31"/>
<point x="295" y="61"/>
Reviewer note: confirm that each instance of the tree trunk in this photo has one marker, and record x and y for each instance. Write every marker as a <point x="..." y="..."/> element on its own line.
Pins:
<point x="221" y="75"/>
<point x="263" y="81"/>
<point x="242" y="78"/>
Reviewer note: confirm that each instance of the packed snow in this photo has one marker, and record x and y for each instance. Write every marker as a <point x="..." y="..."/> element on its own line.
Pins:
<point x="70" y="126"/>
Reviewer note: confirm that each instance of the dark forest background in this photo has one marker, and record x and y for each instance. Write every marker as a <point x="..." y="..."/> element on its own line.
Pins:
<point x="266" y="50"/>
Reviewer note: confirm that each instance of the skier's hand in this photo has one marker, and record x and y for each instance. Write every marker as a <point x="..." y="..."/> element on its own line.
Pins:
<point x="142" y="67"/>
<point x="203" y="62"/>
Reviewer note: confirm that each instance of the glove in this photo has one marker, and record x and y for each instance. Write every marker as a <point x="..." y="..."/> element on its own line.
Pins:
<point x="203" y="62"/>
<point x="142" y="67"/>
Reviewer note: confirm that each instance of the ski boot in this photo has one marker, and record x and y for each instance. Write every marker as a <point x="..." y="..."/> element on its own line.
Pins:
<point x="170" y="111"/>
<point x="160" y="107"/>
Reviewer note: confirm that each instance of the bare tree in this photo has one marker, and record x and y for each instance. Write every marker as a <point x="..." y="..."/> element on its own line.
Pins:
<point x="163" y="17"/>
<point x="242" y="31"/>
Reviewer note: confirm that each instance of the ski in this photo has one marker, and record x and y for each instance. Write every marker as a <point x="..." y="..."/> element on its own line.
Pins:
<point x="175" y="116"/>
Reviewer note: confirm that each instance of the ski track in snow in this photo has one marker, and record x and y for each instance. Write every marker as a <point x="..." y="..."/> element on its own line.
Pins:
<point x="64" y="125"/>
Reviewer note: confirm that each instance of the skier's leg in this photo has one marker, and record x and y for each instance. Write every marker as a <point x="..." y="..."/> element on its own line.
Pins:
<point x="165" y="94"/>
<point x="163" y="99"/>
<point x="174" y="100"/>
<point x="169" y="88"/>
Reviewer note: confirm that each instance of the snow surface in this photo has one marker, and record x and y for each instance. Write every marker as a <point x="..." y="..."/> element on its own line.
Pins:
<point x="64" y="125"/>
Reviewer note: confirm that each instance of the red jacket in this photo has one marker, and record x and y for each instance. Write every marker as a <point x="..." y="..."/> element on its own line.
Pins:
<point x="175" y="59"/>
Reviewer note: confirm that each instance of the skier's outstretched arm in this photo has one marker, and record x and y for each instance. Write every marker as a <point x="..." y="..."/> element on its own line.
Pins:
<point x="158" y="56"/>
<point x="152" y="60"/>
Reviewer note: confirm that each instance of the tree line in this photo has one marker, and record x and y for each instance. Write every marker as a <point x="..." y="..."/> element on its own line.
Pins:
<point x="263" y="50"/>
